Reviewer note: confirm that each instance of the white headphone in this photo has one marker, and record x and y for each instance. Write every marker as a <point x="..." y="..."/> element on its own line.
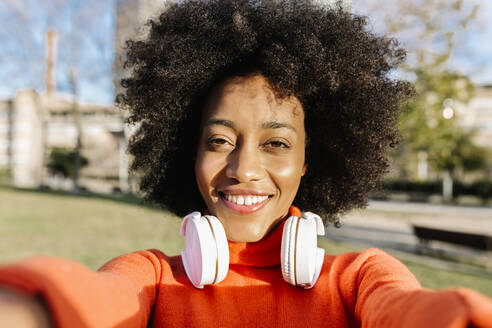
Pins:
<point x="206" y="254"/>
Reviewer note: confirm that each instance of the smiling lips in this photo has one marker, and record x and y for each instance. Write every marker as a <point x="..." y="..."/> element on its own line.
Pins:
<point x="244" y="203"/>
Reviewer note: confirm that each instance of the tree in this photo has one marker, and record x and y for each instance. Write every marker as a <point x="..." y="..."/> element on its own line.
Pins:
<point x="61" y="161"/>
<point x="430" y="123"/>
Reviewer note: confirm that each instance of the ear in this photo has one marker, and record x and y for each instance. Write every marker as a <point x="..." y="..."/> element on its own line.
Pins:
<point x="304" y="170"/>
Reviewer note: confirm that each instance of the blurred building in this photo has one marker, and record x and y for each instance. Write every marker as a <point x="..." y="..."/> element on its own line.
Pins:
<point x="478" y="116"/>
<point x="32" y="123"/>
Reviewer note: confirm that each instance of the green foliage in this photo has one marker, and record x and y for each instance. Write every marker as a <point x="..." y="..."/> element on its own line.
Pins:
<point x="431" y="31"/>
<point x="427" y="127"/>
<point x="456" y="150"/>
<point x="480" y="188"/>
<point x="62" y="161"/>
<point x="411" y="186"/>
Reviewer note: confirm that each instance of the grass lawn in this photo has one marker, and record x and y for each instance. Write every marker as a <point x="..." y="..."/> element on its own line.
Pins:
<point x="87" y="229"/>
<point x="92" y="230"/>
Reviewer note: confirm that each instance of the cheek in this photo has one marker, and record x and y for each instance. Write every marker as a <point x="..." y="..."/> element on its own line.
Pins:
<point x="201" y="174"/>
<point x="287" y="175"/>
<point x="206" y="169"/>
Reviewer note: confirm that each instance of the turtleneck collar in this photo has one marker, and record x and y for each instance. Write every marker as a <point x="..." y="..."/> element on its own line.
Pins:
<point x="262" y="253"/>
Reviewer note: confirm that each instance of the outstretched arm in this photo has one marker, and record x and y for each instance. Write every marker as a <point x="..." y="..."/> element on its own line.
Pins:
<point x="388" y="295"/>
<point x="120" y="294"/>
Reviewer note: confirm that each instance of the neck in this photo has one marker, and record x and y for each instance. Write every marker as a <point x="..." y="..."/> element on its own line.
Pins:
<point x="262" y="253"/>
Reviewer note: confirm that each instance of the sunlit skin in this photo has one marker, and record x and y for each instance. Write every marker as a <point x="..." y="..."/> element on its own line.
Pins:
<point x="250" y="143"/>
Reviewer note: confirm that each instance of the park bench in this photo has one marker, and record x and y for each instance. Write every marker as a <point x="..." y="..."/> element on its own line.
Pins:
<point x="475" y="240"/>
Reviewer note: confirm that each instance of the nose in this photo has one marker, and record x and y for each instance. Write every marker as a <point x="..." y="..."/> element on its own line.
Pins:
<point x="244" y="164"/>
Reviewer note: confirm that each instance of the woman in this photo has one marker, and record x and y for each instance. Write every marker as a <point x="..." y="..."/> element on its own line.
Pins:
<point x="244" y="108"/>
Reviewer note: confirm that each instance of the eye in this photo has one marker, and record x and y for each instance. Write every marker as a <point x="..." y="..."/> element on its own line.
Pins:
<point x="217" y="142"/>
<point x="277" y="144"/>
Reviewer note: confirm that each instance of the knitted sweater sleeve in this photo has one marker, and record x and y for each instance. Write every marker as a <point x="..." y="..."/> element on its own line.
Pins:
<point x="386" y="294"/>
<point x="120" y="294"/>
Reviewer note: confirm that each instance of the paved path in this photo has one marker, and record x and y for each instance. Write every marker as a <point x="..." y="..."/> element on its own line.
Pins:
<point x="425" y="208"/>
<point x="388" y="225"/>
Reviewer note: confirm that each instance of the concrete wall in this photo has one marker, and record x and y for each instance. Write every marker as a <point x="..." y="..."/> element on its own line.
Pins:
<point x="5" y="134"/>
<point x="477" y="114"/>
<point x="27" y="140"/>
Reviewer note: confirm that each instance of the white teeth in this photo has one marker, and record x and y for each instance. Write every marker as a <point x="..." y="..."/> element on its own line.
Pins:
<point x="245" y="200"/>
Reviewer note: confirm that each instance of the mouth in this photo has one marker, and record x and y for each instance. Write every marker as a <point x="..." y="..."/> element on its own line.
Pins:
<point x="244" y="204"/>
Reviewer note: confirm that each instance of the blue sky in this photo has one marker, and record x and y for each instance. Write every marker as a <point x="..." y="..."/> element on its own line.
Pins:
<point x="478" y="64"/>
<point x="22" y="50"/>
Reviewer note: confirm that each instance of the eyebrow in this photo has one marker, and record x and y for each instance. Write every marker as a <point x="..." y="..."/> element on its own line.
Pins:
<point x="277" y="125"/>
<point x="226" y="123"/>
<point x="264" y="125"/>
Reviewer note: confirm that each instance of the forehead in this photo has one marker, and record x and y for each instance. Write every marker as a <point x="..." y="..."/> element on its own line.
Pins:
<point x="247" y="100"/>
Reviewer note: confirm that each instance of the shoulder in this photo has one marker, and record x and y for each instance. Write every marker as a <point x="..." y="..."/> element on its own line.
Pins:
<point x="151" y="260"/>
<point x="372" y="265"/>
<point x="151" y="263"/>
<point x="152" y="256"/>
<point x="364" y="259"/>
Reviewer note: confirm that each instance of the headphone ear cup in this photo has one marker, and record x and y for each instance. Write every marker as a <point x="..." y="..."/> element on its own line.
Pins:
<point x="306" y="251"/>
<point x="301" y="259"/>
<point x="222" y="265"/>
<point x="320" y="257"/>
<point x="319" y="253"/>
<point x="287" y="250"/>
<point x="204" y="263"/>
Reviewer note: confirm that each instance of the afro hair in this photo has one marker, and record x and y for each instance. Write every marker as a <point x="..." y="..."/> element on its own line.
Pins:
<point x="326" y="57"/>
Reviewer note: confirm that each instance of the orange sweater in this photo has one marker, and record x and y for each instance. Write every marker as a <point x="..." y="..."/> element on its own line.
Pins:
<point x="368" y="289"/>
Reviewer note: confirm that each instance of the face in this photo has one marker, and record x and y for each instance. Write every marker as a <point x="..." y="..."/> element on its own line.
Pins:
<point x="250" y="156"/>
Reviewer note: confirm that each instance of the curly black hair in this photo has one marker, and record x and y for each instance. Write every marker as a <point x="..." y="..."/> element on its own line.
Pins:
<point x="326" y="57"/>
